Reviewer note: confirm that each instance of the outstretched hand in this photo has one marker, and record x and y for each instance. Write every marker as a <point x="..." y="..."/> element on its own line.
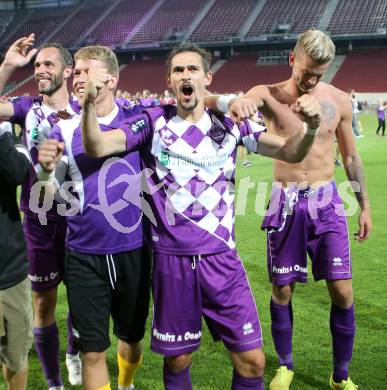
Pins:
<point x="20" y="52"/>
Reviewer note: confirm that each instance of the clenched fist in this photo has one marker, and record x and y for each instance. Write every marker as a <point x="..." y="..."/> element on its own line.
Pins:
<point x="309" y="110"/>
<point x="97" y="78"/>
<point x="243" y="108"/>
<point x="50" y="152"/>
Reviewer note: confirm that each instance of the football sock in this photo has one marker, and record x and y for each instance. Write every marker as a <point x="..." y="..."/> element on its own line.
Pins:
<point x="342" y="323"/>
<point x="282" y="332"/>
<point x="126" y="371"/>
<point x="176" y="381"/>
<point x="241" y="383"/>
<point x="47" y="348"/>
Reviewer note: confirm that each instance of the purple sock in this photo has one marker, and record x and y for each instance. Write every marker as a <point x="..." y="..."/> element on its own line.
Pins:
<point x="241" y="383"/>
<point x="282" y="332"/>
<point x="47" y="348"/>
<point x="71" y="349"/>
<point x="343" y="334"/>
<point x="176" y="381"/>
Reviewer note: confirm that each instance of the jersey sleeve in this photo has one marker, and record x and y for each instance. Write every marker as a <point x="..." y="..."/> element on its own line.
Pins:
<point x="21" y="106"/>
<point x="249" y="134"/>
<point x="139" y="129"/>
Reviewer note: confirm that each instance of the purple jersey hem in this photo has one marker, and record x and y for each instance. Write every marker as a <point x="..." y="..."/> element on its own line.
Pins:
<point x="171" y="251"/>
<point x="284" y="282"/>
<point x="105" y="251"/>
<point x="248" y="346"/>
<point x="174" y="351"/>
<point x="333" y="276"/>
<point x="41" y="287"/>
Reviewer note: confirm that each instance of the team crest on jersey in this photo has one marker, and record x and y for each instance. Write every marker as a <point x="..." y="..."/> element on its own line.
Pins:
<point x="217" y="131"/>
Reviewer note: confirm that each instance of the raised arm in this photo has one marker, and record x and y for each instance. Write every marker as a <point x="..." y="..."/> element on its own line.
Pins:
<point x="354" y="168"/>
<point x="296" y="147"/>
<point x="95" y="142"/>
<point x="239" y="108"/>
<point x="17" y="56"/>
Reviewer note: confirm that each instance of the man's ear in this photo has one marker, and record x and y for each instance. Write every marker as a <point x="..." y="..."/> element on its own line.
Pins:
<point x="113" y="82"/>
<point x="291" y="59"/>
<point x="208" y="78"/>
<point x="67" y="72"/>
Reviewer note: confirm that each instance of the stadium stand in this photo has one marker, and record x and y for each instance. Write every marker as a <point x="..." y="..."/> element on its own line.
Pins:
<point x="241" y="72"/>
<point x="69" y="34"/>
<point x="146" y="74"/>
<point x="223" y="21"/>
<point x="358" y="16"/>
<point x="279" y="12"/>
<point x="363" y="71"/>
<point x="28" y="87"/>
<point x="119" y="23"/>
<point x="42" y="23"/>
<point x="173" y="16"/>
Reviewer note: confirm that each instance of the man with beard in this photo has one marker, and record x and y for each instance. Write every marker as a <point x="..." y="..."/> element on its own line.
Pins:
<point x="45" y="242"/>
<point x="107" y="268"/>
<point x="196" y="269"/>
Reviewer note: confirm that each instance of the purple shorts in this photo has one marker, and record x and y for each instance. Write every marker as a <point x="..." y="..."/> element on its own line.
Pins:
<point x="45" y="251"/>
<point x="307" y="222"/>
<point x="185" y="288"/>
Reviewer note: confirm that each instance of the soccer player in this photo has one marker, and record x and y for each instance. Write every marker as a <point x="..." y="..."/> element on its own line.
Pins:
<point x="191" y="154"/>
<point x="323" y="234"/>
<point x="107" y="268"/>
<point x="45" y="243"/>
<point x="15" y="287"/>
<point x="381" y="117"/>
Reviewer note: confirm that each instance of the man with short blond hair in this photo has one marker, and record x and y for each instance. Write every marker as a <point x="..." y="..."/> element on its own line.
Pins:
<point x="293" y="230"/>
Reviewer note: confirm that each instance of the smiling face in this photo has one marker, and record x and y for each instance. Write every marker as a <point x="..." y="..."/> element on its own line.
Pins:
<point x="306" y="73"/>
<point x="81" y="70"/>
<point x="188" y="80"/>
<point x="50" y="72"/>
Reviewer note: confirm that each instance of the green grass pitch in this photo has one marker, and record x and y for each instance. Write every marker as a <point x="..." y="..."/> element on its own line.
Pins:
<point x="312" y="343"/>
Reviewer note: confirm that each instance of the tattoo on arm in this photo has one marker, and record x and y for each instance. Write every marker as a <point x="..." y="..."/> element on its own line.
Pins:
<point x="355" y="173"/>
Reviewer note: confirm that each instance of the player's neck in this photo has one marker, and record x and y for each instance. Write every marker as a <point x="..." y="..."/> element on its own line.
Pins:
<point x="104" y="108"/>
<point x="291" y="88"/>
<point x="191" y="116"/>
<point x="58" y="100"/>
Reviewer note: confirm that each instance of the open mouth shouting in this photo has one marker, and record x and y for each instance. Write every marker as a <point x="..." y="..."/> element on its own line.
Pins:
<point x="187" y="90"/>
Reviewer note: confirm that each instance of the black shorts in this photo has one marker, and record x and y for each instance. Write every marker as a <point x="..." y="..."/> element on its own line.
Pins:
<point x="100" y="286"/>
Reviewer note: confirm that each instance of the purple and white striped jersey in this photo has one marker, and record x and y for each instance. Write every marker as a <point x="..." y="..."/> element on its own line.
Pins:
<point x="36" y="120"/>
<point x="108" y="218"/>
<point x="191" y="176"/>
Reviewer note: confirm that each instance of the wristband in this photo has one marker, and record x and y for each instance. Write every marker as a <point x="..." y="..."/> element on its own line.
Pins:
<point x="223" y="101"/>
<point x="309" y="130"/>
<point x="45" y="176"/>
